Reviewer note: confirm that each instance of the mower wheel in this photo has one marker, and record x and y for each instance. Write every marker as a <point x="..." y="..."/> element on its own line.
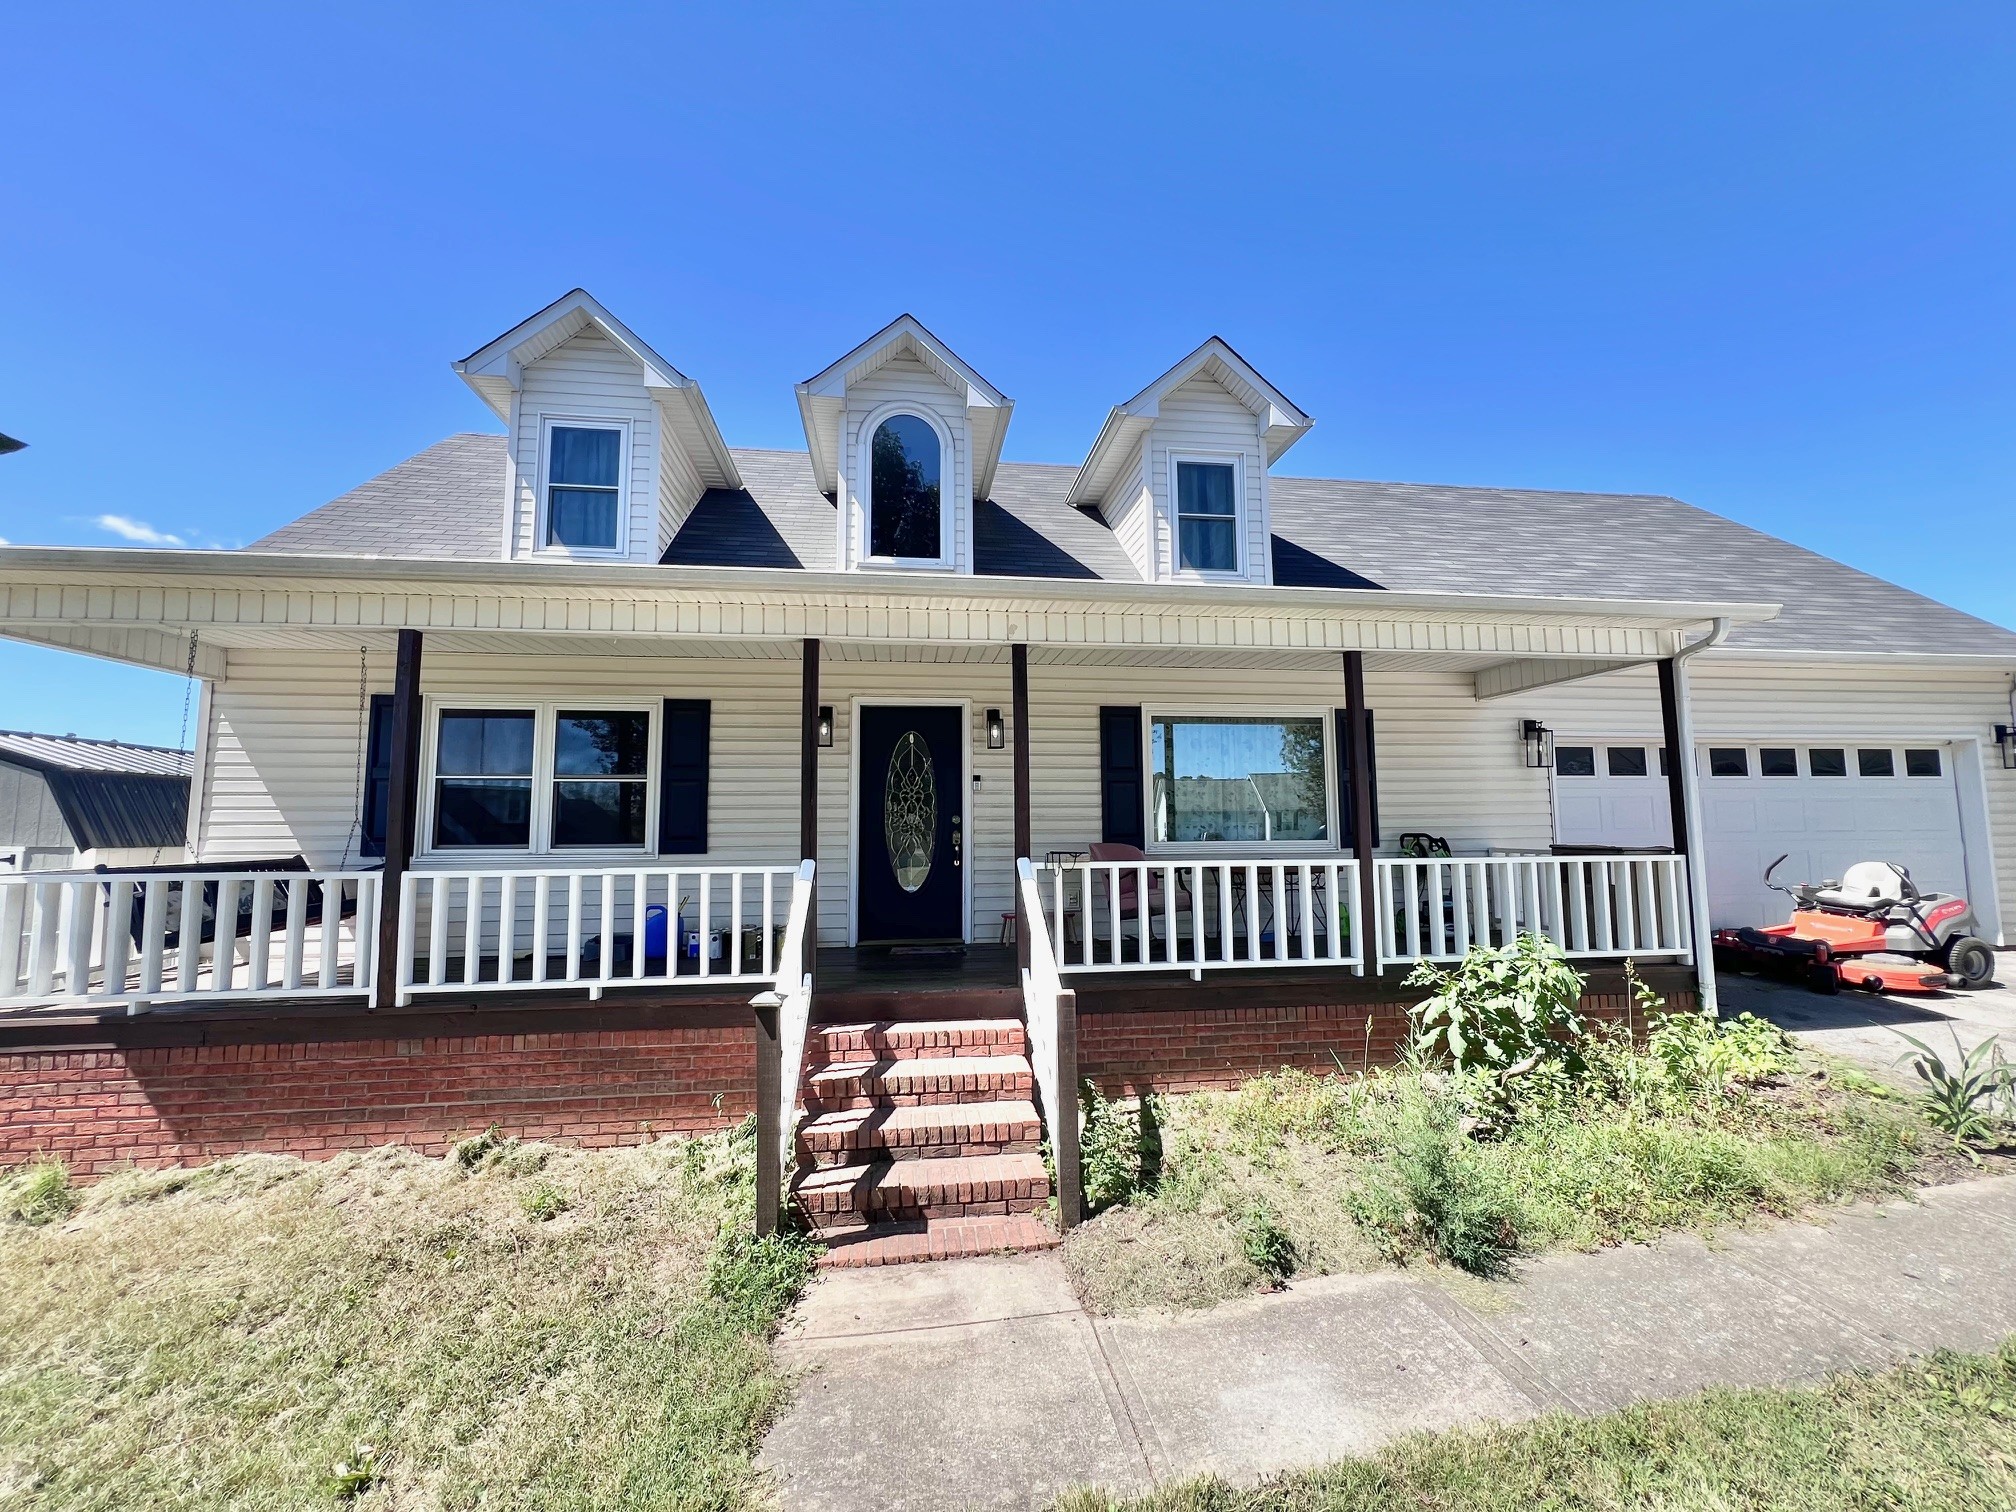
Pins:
<point x="1970" y="963"/>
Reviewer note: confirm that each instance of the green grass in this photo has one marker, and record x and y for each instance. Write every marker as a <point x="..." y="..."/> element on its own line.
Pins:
<point x="1349" y="1173"/>
<point x="512" y="1326"/>
<point x="1939" y="1436"/>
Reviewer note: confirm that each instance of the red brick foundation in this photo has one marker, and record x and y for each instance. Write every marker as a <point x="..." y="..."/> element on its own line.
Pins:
<point x="101" y="1107"/>
<point x="1182" y="1050"/>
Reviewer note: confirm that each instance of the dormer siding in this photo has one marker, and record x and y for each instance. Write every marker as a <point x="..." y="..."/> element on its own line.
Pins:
<point x="588" y="378"/>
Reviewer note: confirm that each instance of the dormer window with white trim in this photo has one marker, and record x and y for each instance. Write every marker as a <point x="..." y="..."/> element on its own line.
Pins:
<point x="905" y="510"/>
<point x="584" y="487"/>
<point x="1207" y="516"/>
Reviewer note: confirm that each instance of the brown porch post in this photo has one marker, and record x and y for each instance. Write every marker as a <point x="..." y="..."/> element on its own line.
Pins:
<point x="1357" y="752"/>
<point x="402" y="809"/>
<point x="1676" y="782"/>
<point x="1019" y="672"/>
<point x="769" y="1115"/>
<point x="808" y="780"/>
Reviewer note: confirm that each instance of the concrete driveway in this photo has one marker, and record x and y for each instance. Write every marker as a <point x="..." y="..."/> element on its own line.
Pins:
<point x="1858" y="1025"/>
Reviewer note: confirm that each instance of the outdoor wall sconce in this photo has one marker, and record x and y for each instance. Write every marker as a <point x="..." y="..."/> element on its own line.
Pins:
<point x="1539" y="742"/>
<point x="826" y="724"/>
<point x="997" y="731"/>
<point x="2005" y="737"/>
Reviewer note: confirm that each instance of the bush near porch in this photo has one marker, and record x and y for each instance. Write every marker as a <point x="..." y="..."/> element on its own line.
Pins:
<point x="1513" y="1127"/>
<point x="506" y="1326"/>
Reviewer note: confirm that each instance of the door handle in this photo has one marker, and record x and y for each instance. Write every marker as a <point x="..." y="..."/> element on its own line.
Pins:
<point x="955" y="839"/>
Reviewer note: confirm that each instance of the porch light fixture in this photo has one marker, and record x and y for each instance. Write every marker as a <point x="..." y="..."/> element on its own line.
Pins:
<point x="2005" y="739"/>
<point x="997" y="731"/>
<point x="826" y="724"/>
<point x="1539" y="742"/>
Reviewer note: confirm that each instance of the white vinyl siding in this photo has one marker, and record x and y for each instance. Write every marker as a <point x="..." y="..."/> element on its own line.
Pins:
<point x="907" y="383"/>
<point x="588" y="378"/>
<point x="284" y="757"/>
<point x="679" y="489"/>
<point x="1129" y="510"/>
<point x="1201" y="422"/>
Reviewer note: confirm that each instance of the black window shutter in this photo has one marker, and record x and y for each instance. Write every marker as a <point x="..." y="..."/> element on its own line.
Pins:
<point x="1344" y="777"/>
<point x="682" y="777"/>
<point x="1122" y="809"/>
<point x="377" y="778"/>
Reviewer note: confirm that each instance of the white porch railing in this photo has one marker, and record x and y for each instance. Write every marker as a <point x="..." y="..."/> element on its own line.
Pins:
<point x="1436" y="909"/>
<point x="156" y="937"/>
<point x="792" y="986"/>
<point x="1050" y="1010"/>
<point x="595" y="927"/>
<point x="1199" y="915"/>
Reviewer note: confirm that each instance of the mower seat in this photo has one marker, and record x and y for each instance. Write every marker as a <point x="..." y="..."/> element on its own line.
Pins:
<point x="1867" y="887"/>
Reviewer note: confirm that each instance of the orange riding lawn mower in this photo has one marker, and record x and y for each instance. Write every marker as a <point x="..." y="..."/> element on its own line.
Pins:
<point x="1873" y="930"/>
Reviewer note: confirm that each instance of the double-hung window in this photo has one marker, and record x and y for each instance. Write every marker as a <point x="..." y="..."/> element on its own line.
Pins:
<point x="584" y="494"/>
<point x="1207" y="517"/>
<point x="1238" y="779"/>
<point x="601" y="777"/>
<point x="542" y="779"/>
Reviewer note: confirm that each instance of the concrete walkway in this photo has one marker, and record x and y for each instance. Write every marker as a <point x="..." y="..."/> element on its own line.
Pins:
<point x="981" y="1383"/>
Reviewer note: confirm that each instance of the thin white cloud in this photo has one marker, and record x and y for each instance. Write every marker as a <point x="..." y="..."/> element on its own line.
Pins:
<point x="130" y="529"/>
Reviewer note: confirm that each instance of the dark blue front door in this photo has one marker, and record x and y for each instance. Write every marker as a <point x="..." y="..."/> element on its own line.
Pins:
<point x="912" y="817"/>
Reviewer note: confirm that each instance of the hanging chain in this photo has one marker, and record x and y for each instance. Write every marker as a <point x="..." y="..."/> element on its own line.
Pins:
<point x="182" y="738"/>
<point x="363" y="741"/>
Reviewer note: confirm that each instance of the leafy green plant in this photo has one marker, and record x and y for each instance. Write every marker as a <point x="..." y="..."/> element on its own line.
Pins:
<point x="1119" y="1148"/>
<point x="543" y="1202"/>
<point x="357" y="1474"/>
<point x="1967" y="1101"/>
<point x="1267" y="1248"/>
<point x="1504" y="1010"/>
<point x="37" y="1193"/>
<point x="1712" y="1055"/>
<point x="756" y="1278"/>
<point x="480" y="1151"/>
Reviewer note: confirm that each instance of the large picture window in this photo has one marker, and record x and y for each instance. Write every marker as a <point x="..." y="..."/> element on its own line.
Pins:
<point x="1235" y="779"/>
<point x="1207" y="516"/>
<point x="903" y="494"/>
<point x="542" y="779"/>
<point x="584" y="495"/>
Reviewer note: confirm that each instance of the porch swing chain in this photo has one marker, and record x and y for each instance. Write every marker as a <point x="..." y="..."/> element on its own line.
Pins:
<point x="363" y="740"/>
<point x="182" y="738"/>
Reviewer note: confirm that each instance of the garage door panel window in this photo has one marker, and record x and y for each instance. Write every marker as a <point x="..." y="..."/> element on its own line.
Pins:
<point x="1827" y="761"/>
<point x="1777" y="761"/>
<point x="1626" y="761"/>
<point x="1876" y="762"/>
<point x="1923" y="763"/>
<point x="1728" y="761"/>
<point x="1574" y="761"/>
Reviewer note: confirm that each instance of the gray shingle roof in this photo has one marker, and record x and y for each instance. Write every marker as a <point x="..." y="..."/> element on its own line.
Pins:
<point x="447" y="502"/>
<point x="1328" y="533"/>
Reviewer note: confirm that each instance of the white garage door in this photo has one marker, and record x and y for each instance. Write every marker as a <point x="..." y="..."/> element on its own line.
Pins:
<point x="1824" y="807"/>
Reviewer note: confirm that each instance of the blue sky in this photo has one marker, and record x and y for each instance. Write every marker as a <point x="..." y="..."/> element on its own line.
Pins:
<point x="1754" y="255"/>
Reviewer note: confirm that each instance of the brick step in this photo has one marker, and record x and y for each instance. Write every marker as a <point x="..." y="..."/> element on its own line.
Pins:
<point x="937" y="1239"/>
<point x="848" y="1136"/>
<point x="896" y="1083"/>
<point x="963" y="1186"/>
<point x="832" y="1044"/>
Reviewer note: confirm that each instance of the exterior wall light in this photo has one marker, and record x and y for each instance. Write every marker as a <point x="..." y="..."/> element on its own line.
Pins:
<point x="1539" y="743"/>
<point x="826" y="724"/>
<point x="2005" y="738"/>
<point x="997" y="731"/>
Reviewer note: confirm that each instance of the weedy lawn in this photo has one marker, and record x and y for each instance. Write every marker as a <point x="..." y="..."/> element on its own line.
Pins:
<point x="509" y="1326"/>
<point x="1209" y="1195"/>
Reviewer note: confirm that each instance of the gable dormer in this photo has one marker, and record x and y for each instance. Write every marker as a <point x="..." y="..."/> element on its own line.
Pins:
<point x="1180" y="470"/>
<point x="610" y="445"/>
<point x="904" y="436"/>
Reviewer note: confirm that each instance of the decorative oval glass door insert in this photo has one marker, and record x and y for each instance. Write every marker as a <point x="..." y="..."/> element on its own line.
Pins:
<point x="910" y="811"/>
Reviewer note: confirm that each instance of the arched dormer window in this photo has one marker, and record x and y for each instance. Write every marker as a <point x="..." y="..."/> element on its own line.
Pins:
<point x="904" y="507"/>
